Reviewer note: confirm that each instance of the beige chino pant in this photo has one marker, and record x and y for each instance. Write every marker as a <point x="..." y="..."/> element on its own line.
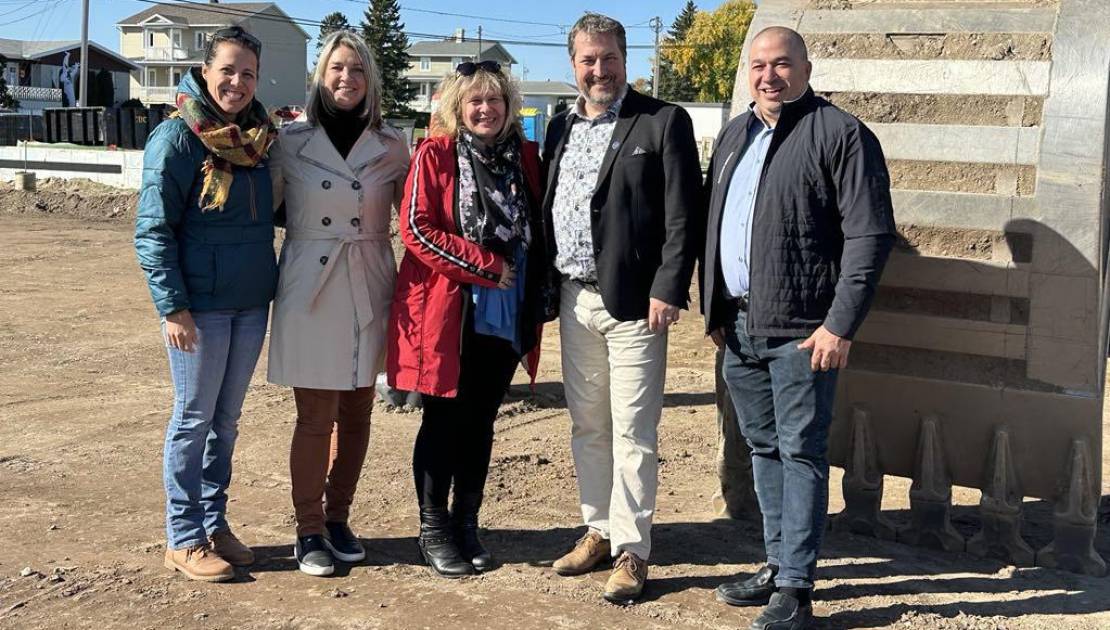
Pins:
<point x="613" y="373"/>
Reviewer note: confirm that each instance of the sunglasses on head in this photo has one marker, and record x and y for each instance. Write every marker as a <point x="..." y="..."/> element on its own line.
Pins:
<point x="468" y="68"/>
<point x="237" y="33"/>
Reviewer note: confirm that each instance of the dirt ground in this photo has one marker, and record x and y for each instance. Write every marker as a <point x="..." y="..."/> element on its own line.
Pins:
<point x="84" y="398"/>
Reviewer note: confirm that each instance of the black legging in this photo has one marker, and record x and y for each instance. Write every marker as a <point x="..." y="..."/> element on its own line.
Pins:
<point x="456" y="434"/>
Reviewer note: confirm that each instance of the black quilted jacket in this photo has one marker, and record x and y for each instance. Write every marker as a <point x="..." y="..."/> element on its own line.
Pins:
<point x="823" y="224"/>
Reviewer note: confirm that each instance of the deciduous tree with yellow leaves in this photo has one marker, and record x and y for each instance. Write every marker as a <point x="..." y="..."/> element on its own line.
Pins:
<point x="710" y="52"/>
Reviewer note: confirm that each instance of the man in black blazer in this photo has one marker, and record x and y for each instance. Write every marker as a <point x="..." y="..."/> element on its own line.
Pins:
<point x="622" y="219"/>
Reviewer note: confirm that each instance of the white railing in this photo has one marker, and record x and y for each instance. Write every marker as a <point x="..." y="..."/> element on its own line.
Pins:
<point x="150" y="95"/>
<point x="165" y="53"/>
<point x="29" y="93"/>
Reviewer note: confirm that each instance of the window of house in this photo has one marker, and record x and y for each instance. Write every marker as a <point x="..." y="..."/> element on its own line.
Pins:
<point x="202" y="40"/>
<point x="425" y="89"/>
<point x="176" y="77"/>
<point x="175" y="38"/>
<point x="150" y="39"/>
<point x="425" y="63"/>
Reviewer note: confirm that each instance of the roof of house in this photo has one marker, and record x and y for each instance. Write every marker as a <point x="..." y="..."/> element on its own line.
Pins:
<point x="195" y="14"/>
<point x="23" y="50"/>
<point x="454" y="48"/>
<point x="547" y="88"/>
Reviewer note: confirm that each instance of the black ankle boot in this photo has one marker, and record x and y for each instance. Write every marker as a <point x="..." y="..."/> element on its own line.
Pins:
<point x="464" y="524"/>
<point x="437" y="545"/>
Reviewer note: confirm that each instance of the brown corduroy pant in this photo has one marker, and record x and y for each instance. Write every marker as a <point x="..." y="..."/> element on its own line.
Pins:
<point x="324" y="463"/>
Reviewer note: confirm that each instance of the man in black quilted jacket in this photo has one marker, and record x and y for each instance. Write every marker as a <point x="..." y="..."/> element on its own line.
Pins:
<point x="799" y="227"/>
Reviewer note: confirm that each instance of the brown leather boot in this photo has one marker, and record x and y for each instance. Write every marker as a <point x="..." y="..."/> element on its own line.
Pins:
<point x="199" y="563"/>
<point x="588" y="552"/>
<point x="626" y="583"/>
<point x="230" y="548"/>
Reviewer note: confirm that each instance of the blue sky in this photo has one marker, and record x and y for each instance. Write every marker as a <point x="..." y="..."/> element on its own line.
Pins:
<point x="61" y="19"/>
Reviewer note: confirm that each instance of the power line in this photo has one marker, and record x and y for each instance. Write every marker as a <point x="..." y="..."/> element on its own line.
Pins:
<point x="17" y="9"/>
<point x="229" y="10"/>
<point x="19" y="19"/>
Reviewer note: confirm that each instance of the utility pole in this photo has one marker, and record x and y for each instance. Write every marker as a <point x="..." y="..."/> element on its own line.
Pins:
<point x="656" y="25"/>
<point x="83" y="98"/>
<point x="479" y="57"/>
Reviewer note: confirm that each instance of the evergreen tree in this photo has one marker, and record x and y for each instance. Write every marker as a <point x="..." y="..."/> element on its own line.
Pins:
<point x="673" y="85"/>
<point x="331" y="23"/>
<point x="7" y="101"/>
<point x="385" y="36"/>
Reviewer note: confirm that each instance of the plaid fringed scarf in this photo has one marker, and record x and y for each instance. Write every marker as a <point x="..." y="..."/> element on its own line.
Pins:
<point x="229" y="144"/>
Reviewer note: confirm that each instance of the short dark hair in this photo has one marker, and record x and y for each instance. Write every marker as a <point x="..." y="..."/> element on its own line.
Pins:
<point x="236" y="35"/>
<point x="794" y="38"/>
<point x="598" y="24"/>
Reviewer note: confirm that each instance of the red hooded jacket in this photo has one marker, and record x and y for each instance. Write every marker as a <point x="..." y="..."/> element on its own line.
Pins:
<point x="426" y="318"/>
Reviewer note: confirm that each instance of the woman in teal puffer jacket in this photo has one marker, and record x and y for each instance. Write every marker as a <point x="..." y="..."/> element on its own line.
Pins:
<point x="204" y="237"/>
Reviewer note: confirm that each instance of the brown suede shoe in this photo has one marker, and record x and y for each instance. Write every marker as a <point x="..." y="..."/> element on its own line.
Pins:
<point x="228" y="547"/>
<point x="588" y="552"/>
<point x="199" y="563"/>
<point x="627" y="580"/>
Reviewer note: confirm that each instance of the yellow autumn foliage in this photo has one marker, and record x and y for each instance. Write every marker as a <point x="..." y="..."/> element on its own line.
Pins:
<point x="710" y="54"/>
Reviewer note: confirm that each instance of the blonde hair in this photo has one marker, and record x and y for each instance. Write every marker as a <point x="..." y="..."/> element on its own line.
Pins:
<point x="447" y="120"/>
<point x="372" y="108"/>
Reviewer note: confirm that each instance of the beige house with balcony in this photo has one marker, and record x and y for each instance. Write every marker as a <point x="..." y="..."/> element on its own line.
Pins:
<point x="430" y="61"/>
<point x="168" y="38"/>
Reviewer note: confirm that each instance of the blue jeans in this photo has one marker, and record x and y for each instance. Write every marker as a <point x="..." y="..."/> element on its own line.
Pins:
<point x="784" y="409"/>
<point x="209" y="386"/>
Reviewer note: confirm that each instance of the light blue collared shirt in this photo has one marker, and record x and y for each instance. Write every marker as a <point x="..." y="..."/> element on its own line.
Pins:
<point x="739" y="208"/>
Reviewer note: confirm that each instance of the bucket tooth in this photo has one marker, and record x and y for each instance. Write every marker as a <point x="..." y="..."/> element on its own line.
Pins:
<point x="931" y="495"/>
<point x="1000" y="509"/>
<point x="1075" y="519"/>
<point x="863" y="484"/>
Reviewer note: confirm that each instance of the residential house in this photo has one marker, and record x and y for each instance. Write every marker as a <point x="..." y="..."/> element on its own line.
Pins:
<point x="168" y="38"/>
<point x="430" y="61"/>
<point x="548" y="96"/>
<point x="32" y="70"/>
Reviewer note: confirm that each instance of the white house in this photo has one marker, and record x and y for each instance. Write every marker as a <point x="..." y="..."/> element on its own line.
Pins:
<point x="430" y="61"/>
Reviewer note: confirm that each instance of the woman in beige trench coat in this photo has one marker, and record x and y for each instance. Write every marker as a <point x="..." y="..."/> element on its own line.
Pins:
<point x="339" y="173"/>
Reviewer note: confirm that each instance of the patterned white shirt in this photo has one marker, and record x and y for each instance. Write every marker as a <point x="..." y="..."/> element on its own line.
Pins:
<point x="578" y="171"/>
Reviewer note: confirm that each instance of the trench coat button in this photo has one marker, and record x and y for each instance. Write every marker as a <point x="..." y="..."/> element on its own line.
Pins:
<point x="356" y="185"/>
<point x="326" y="220"/>
<point x="355" y="221"/>
<point x="325" y="184"/>
<point x="323" y="260"/>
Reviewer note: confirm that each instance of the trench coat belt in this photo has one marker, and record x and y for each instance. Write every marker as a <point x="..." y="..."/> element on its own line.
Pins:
<point x="356" y="267"/>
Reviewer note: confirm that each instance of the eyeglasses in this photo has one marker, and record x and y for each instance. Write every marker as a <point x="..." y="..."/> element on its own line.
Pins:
<point x="468" y="68"/>
<point x="239" y="34"/>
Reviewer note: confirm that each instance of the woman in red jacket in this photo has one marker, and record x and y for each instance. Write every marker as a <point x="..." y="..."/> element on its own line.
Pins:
<point x="467" y="306"/>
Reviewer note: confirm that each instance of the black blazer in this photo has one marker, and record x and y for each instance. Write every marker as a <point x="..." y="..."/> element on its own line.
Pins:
<point x="646" y="211"/>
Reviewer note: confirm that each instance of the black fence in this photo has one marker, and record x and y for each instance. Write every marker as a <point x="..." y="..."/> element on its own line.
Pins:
<point x="122" y="127"/>
<point x="129" y="127"/>
<point x="16" y="128"/>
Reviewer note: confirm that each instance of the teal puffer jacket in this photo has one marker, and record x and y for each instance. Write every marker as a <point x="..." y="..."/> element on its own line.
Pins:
<point x="202" y="261"/>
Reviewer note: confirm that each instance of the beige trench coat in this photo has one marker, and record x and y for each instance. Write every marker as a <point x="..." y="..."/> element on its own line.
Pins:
<point x="336" y="271"/>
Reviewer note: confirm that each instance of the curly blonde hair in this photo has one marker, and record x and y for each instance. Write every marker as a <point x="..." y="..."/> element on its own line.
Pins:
<point x="453" y="90"/>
